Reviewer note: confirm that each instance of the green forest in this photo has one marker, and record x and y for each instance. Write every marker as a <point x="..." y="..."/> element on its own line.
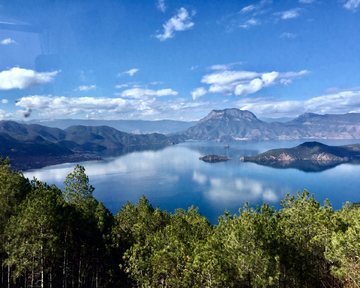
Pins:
<point x="66" y="238"/>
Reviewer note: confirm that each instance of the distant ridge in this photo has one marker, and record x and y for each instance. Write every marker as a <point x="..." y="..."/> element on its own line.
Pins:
<point x="234" y="124"/>
<point x="36" y="144"/>
<point x="128" y="126"/>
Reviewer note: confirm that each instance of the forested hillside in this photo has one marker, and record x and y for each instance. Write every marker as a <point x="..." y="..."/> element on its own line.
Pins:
<point x="66" y="238"/>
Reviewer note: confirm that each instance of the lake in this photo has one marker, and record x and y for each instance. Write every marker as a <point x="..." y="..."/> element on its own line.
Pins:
<point x="174" y="177"/>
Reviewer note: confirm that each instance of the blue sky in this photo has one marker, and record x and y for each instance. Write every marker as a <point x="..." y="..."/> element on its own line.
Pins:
<point x="178" y="60"/>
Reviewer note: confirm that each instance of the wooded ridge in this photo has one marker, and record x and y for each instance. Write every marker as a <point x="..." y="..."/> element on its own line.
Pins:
<point x="25" y="143"/>
<point x="309" y="151"/>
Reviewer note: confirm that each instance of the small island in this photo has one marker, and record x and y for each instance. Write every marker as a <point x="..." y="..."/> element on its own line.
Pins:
<point x="214" y="158"/>
<point x="314" y="156"/>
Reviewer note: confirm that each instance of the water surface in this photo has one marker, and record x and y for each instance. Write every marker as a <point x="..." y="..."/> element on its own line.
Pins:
<point x="174" y="177"/>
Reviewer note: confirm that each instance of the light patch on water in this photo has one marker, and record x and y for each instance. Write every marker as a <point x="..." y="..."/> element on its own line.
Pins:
<point x="238" y="190"/>
<point x="199" y="178"/>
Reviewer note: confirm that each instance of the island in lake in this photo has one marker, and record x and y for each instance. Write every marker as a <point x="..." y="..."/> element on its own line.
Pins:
<point x="214" y="158"/>
<point x="308" y="157"/>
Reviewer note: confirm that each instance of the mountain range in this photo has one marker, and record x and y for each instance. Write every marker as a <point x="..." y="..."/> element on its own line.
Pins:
<point x="128" y="126"/>
<point x="234" y="124"/>
<point x="41" y="144"/>
<point x="30" y="145"/>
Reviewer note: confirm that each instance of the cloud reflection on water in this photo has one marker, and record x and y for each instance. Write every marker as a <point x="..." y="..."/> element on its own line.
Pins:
<point x="134" y="166"/>
<point x="238" y="190"/>
<point x="227" y="190"/>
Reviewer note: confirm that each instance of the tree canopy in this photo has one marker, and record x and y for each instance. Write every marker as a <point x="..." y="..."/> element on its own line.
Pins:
<point x="54" y="238"/>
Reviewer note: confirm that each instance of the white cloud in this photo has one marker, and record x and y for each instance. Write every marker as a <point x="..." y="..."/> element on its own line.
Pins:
<point x="248" y="8"/>
<point x="339" y="103"/>
<point x="287" y="35"/>
<point x="306" y="1"/>
<point x="59" y="106"/>
<point x="152" y="108"/>
<point x="254" y="7"/>
<point x="115" y="108"/>
<point x="131" y="72"/>
<point x="194" y="67"/>
<point x="4" y="115"/>
<point x="4" y="101"/>
<point x="7" y="41"/>
<point x="180" y="22"/>
<point x="156" y="83"/>
<point x="228" y="77"/>
<point x="246" y="82"/>
<point x="250" y="22"/>
<point x="86" y="88"/>
<point x="245" y="89"/>
<point x="198" y="92"/>
<point x="121" y="86"/>
<point x="269" y="78"/>
<point x="352" y="4"/>
<point x="224" y="66"/>
<point x="220" y="67"/>
<point x="139" y="93"/>
<point x="24" y="78"/>
<point x="293" y="13"/>
<point x="161" y="5"/>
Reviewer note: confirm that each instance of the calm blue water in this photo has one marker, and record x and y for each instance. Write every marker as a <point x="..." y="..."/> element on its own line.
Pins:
<point x="174" y="177"/>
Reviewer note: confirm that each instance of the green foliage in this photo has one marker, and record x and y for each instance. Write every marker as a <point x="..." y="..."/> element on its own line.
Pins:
<point x="77" y="188"/>
<point x="32" y="235"/>
<point x="54" y="238"/>
<point x="167" y="256"/>
<point x="344" y="248"/>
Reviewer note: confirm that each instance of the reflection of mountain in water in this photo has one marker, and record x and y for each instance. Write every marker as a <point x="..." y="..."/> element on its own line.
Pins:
<point x="236" y="151"/>
<point x="305" y="165"/>
<point x="131" y="149"/>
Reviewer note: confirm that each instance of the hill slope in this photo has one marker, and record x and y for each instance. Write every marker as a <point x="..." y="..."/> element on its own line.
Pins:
<point x="308" y="151"/>
<point x="128" y="126"/>
<point x="35" y="143"/>
<point x="229" y="124"/>
<point x="328" y="126"/>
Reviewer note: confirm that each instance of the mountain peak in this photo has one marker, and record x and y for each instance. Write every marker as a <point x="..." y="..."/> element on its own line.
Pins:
<point x="229" y="113"/>
<point x="304" y="117"/>
<point x="312" y="144"/>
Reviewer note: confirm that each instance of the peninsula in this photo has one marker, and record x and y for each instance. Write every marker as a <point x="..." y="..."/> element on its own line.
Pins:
<point x="309" y="152"/>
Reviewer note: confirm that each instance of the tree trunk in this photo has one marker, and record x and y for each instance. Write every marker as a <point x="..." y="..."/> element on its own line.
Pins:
<point x="32" y="273"/>
<point x="97" y="269"/>
<point x="8" y="276"/>
<point x="79" y="277"/>
<point x="2" y="274"/>
<point x="42" y="267"/>
<point x="249" y="278"/>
